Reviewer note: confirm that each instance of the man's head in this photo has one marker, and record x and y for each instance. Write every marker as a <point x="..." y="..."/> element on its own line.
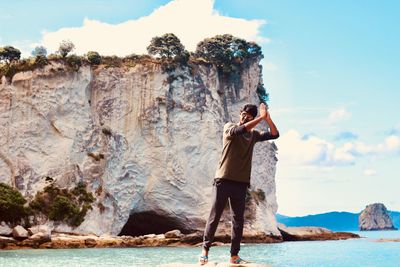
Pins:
<point x="248" y="113"/>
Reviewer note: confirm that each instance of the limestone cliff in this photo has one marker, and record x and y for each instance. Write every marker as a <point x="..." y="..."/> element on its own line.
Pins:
<point x="375" y="217"/>
<point x="147" y="143"/>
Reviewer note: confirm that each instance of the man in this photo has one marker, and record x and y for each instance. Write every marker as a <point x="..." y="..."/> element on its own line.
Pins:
<point x="232" y="177"/>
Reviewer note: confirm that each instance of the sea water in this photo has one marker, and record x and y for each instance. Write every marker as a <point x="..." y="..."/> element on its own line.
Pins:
<point x="352" y="252"/>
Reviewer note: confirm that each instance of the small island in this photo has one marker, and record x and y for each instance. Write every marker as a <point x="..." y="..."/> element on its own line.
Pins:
<point x="375" y="217"/>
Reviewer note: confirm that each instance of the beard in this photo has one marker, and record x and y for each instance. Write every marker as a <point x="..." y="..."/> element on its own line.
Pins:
<point x="243" y="121"/>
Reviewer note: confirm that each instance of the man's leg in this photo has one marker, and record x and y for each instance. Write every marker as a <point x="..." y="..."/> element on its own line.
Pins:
<point x="237" y="202"/>
<point x="220" y="197"/>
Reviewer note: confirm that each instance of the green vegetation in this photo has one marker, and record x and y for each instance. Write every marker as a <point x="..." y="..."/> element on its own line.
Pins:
<point x="226" y="52"/>
<point x="65" y="48"/>
<point x="63" y="205"/>
<point x="112" y="61"/>
<point x="39" y="51"/>
<point x="12" y="207"/>
<point x="167" y="46"/>
<point x="169" y="49"/>
<point x="9" y="54"/>
<point x="40" y="61"/>
<point x="263" y="96"/>
<point x="54" y="57"/>
<point x="74" y="62"/>
<point x="260" y="194"/>
<point x="10" y="69"/>
<point x="93" y="57"/>
<point x="257" y="195"/>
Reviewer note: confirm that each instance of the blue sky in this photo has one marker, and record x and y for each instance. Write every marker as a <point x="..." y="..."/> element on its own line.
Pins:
<point x="331" y="67"/>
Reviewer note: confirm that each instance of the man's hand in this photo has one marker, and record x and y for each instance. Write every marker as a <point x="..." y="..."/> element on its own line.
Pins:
<point x="264" y="111"/>
<point x="264" y="114"/>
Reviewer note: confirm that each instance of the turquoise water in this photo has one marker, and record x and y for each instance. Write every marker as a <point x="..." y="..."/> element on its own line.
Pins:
<point x="353" y="252"/>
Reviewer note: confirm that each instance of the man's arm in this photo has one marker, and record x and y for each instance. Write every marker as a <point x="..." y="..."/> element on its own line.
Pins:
<point x="244" y="128"/>
<point x="251" y="124"/>
<point x="272" y="127"/>
<point x="273" y="131"/>
<point x="264" y="115"/>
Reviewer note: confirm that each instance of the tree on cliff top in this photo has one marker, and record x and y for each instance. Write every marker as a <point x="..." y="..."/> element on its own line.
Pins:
<point x="226" y="51"/>
<point x="93" y="57"/>
<point x="9" y="53"/>
<point x="65" y="47"/>
<point x="167" y="46"/>
<point x="40" y="51"/>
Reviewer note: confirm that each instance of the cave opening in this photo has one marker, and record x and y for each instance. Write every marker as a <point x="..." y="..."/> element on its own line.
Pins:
<point x="150" y="222"/>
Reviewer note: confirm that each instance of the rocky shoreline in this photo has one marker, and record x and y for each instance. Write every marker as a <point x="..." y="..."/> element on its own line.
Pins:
<point x="40" y="237"/>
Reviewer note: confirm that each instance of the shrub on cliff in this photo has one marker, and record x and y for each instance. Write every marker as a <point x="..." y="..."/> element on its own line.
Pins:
<point x="39" y="51"/>
<point x="93" y="57"/>
<point x="262" y="94"/>
<point x="40" y="61"/>
<point x="112" y="61"/>
<point x="81" y="194"/>
<point x="10" y="69"/>
<point x="74" y="62"/>
<point x="9" y="54"/>
<point x="11" y="204"/>
<point x="167" y="46"/>
<point x="54" y="57"/>
<point x="65" y="47"/>
<point x="62" y="209"/>
<point x="63" y="205"/>
<point x="226" y="52"/>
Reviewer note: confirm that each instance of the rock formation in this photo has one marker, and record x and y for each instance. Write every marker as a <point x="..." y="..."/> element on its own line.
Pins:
<point x="375" y="217"/>
<point x="20" y="232"/>
<point x="312" y="233"/>
<point x="145" y="142"/>
<point x="5" y="230"/>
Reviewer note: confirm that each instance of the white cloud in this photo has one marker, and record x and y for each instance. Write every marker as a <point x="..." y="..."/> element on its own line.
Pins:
<point x="369" y="172"/>
<point x="312" y="151"/>
<point x="190" y="20"/>
<point x="339" y="115"/>
<point x="391" y="144"/>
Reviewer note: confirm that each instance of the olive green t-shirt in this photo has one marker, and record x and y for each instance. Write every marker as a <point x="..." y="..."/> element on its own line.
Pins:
<point x="237" y="152"/>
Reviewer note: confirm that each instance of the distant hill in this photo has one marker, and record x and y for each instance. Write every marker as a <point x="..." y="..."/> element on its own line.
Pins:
<point x="335" y="221"/>
<point x="396" y="218"/>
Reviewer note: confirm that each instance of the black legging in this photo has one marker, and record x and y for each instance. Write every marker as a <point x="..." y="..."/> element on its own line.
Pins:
<point x="236" y="193"/>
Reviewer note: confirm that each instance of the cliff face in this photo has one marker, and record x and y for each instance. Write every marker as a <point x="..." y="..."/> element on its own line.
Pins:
<point x="146" y="143"/>
<point x="375" y="217"/>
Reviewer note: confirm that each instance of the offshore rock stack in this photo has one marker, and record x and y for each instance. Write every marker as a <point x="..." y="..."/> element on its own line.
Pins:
<point x="375" y="217"/>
